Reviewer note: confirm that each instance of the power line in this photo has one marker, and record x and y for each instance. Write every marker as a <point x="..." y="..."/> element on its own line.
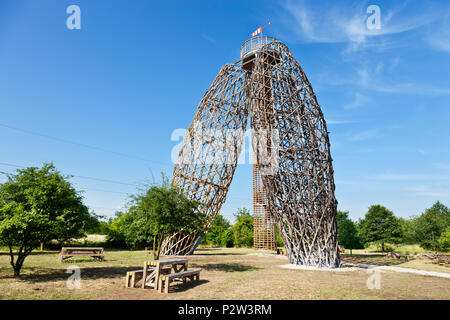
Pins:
<point x="80" y="144"/>
<point x="82" y="177"/>
<point x="101" y="190"/>
<point x="103" y="208"/>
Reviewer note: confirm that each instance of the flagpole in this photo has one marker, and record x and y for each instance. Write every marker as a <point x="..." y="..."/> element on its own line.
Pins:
<point x="265" y="27"/>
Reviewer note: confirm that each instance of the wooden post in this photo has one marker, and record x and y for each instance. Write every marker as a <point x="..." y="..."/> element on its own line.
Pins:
<point x="166" y="289"/>
<point x="144" y="274"/>
<point x="157" y="274"/>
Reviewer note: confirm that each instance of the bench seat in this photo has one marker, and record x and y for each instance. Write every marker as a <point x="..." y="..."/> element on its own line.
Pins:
<point x="167" y="278"/>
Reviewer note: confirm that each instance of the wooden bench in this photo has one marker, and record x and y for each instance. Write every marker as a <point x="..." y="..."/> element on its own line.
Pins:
<point x="164" y="280"/>
<point x="392" y="254"/>
<point x="68" y="252"/>
<point x="133" y="277"/>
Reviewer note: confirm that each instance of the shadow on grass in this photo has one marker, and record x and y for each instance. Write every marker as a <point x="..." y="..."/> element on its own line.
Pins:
<point x="33" y="253"/>
<point x="231" y="267"/>
<point x="181" y="287"/>
<point x="204" y="252"/>
<point x="376" y="259"/>
<point x="91" y="273"/>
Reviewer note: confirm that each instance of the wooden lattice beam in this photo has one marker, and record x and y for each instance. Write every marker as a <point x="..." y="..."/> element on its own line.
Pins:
<point x="291" y="144"/>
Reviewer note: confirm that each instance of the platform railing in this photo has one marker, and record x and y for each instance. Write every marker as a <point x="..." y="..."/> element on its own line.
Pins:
<point x="254" y="44"/>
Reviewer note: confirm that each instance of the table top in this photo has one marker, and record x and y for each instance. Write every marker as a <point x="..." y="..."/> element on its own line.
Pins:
<point x="167" y="261"/>
<point x="81" y="248"/>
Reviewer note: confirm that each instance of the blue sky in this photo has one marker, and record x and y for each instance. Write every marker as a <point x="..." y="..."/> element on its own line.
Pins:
<point x="102" y="102"/>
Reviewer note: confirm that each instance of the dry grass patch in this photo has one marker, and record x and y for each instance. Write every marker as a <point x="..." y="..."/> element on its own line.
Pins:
<point x="226" y="274"/>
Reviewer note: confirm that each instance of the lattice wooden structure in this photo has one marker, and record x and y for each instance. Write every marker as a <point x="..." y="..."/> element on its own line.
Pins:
<point x="263" y="223"/>
<point x="291" y="146"/>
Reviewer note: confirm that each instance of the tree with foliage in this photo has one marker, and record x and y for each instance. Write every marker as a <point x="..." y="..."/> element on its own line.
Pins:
<point x="243" y="228"/>
<point x="279" y="240"/>
<point x="444" y="240"/>
<point x="215" y="235"/>
<point x="380" y="226"/>
<point x="124" y="232"/>
<point x="162" y="211"/>
<point x="429" y="226"/>
<point x="347" y="232"/>
<point x="36" y="206"/>
<point x="227" y="239"/>
<point x="406" y="226"/>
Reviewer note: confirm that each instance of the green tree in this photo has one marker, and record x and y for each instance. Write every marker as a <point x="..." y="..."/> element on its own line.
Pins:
<point x="243" y="228"/>
<point x="227" y="239"/>
<point x="429" y="226"/>
<point x="36" y="206"/>
<point x="380" y="226"/>
<point x="215" y="235"/>
<point x="162" y="211"/>
<point x="407" y="228"/>
<point x="279" y="240"/>
<point x="347" y="232"/>
<point x="125" y="231"/>
<point x="444" y="240"/>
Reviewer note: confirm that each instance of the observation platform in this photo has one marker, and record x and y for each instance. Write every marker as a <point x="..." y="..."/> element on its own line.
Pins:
<point x="250" y="47"/>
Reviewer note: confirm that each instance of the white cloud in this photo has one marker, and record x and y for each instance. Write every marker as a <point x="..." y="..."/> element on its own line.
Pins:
<point x="340" y="121"/>
<point x="336" y="23"/>
<point x="364" y="135"/>
<point x="368" y="78"/>
<point x="428" y="191"/>
<point x="439" y="36"/>
<point x="358" y="101"/>
<point x="403" y="176"/>
<point x="440" y="40"/>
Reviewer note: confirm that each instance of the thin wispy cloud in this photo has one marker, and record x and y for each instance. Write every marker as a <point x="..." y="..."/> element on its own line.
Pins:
<point x="390" y="176"/>
<point x="359" y="101"/>
<point x="209" y="38"/>
<point x="364" y="135"/>
<point x="428" y="191"/>
<point x="340" y="121"/>
<point x="368" y="78"/>
<point x="338" y="23"/>
<point x="439" y="36"/>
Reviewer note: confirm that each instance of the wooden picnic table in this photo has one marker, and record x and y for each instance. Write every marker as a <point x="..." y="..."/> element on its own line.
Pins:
<point x="67" y="252"/>
<point x="153" y="269"/>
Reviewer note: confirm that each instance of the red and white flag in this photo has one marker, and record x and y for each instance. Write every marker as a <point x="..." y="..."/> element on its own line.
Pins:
<point x="258" y="31"/>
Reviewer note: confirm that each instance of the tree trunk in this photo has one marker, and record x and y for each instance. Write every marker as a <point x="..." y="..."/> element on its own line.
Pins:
<point x="382" y="247"/>
<point x="159" y="248"/>
<point x="17" y="270"/>
<point x="154" y="248"/>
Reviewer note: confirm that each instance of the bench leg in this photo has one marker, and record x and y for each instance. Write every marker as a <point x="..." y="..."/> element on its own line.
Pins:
<point x="133" y="279"/>
<point x="166" y="289"/>
<point x="127" y="280"/>
<point x="160" y="285"/>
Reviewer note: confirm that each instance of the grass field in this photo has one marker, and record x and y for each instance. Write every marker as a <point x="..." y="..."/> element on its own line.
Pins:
<point x="226" y="274"/>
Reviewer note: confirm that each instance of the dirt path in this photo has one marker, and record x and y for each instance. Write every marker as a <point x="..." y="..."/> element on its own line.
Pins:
<point x="401" y="269"/>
